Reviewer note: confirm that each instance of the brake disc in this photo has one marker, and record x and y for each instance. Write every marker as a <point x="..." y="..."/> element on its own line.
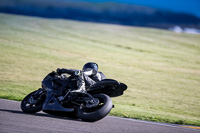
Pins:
<point x="92" y="103"/>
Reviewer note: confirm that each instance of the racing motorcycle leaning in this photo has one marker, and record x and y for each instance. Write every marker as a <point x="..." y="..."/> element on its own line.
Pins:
<point x="57" y="97"/>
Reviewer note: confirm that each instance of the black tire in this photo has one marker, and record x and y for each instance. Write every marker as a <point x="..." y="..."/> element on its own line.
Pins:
<point x="99" y="112"/>
<point x="37" y="107"/>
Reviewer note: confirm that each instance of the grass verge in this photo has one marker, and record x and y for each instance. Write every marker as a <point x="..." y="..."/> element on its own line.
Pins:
<point x="161" y="68"/>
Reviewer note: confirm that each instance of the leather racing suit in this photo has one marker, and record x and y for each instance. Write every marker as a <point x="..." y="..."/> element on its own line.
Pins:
<point x="85" y="79"/>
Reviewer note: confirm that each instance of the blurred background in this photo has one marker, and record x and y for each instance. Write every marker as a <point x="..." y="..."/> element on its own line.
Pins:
<point x="129" y="39"/>
<point x="176" y="15"/>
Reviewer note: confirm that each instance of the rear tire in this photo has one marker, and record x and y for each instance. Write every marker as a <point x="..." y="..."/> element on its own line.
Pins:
<point x="96" y="113"/>
<point x="34" y="109"/>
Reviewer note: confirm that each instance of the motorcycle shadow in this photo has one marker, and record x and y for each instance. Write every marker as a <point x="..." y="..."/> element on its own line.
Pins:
<point x="51" y="114"/>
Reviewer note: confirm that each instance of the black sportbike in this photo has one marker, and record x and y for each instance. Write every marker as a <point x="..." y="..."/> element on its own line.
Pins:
<point x="57" y="97"/>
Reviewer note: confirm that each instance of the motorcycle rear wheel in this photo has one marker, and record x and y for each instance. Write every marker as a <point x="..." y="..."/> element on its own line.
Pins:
<point x="34" y="108"/>
<point x="98" y="112"/>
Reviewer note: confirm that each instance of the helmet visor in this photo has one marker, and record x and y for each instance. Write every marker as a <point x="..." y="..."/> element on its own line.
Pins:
<point x="90" y="66"/>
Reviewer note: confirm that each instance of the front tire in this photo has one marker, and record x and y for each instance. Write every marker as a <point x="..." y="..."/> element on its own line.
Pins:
<point x="29" y="108"/>
<point x="98" y="112"/>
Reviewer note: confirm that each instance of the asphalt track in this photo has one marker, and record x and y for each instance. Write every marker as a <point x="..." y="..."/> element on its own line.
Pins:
<point x="13" y="120"/>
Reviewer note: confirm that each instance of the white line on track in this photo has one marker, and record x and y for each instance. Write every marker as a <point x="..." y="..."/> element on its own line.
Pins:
<point x="156" y="123"/>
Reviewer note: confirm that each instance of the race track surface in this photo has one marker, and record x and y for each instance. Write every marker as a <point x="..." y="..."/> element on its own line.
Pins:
<point x="13" y="120"/>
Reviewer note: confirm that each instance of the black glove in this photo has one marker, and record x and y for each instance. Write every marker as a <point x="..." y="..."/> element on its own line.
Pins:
<point x="59" y="71"/>
<point x="53" y="73"/>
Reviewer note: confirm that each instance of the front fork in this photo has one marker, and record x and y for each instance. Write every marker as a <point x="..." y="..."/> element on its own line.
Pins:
<point x="36" y="97"/>
<point x="39" y="91"/>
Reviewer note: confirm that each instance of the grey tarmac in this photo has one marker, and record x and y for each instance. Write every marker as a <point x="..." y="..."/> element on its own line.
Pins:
<point x="13" y="120"/>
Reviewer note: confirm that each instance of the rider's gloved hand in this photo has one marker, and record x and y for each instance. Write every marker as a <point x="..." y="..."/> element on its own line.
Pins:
<point x="53" y="73"/>
<point x="77" y="73"/>
<point x="59" y="71"/>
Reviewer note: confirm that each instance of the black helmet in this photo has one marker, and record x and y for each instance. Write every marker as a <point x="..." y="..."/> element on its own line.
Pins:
<point x="91" y="66"/>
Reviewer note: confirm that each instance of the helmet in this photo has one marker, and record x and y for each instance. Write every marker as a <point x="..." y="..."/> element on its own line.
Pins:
<point x="91" y="66"/>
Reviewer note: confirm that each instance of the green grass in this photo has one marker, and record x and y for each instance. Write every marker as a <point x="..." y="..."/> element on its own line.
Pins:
<point x="161" y="68"/>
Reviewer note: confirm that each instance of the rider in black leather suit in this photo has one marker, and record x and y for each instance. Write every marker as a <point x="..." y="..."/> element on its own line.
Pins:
<point x="85" y="78"/>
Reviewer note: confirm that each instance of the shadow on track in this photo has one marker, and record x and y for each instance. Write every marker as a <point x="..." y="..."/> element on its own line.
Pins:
<point x="58" y="115"/>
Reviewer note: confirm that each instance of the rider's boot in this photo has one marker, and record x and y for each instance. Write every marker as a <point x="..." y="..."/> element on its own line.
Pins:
<point x="80" y="89"/>
<point x="80" y="84"/>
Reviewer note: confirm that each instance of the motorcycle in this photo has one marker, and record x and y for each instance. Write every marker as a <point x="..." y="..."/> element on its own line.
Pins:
<point x="56" y="97"/>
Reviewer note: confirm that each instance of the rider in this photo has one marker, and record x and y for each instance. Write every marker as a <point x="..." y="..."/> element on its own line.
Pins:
<point x="85" y="78"/>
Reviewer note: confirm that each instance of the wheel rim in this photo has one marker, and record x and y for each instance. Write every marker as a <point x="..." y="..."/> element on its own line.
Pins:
<point x="32" y="103"/>
<point x="89" y="110"/>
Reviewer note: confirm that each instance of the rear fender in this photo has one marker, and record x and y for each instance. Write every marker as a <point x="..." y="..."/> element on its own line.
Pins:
<point x="108" y="86"/>
<point x="116" y="91"/>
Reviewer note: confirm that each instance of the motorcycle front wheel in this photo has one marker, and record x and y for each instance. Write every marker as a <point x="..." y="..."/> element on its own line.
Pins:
<point x="96" y="113"/>
<point x="33" y="103"/>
